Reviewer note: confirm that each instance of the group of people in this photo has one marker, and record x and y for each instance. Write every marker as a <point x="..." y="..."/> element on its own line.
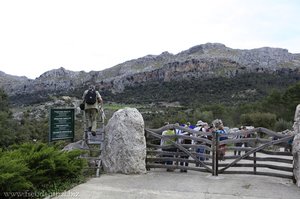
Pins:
<point x="197" y="146"/>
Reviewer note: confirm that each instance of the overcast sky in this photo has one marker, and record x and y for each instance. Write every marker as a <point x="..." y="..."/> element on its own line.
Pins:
<point x="40" y="35"/>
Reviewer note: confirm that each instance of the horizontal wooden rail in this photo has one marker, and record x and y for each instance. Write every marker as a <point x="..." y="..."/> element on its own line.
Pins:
<point x="178" y="159"/>
<point x="185" y="137"/>
<point x="176" y="167"/>
<point x="173" y="126"/>
<point x="161" y="153"/>
<point x="187" y="146"/>
<point x="260" y="173"/>
<point x="283" y="153"/>
<point x="265" y="159"/>
<point x="269" y="166"/>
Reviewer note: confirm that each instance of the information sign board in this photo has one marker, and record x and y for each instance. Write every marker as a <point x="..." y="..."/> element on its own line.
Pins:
<point x="62" y="124"/>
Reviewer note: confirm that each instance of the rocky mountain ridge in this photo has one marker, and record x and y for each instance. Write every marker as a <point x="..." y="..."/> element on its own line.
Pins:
<point x="199" y="62"/>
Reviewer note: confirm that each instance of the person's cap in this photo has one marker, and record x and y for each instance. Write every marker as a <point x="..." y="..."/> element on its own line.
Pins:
<point x="200" y="123"/>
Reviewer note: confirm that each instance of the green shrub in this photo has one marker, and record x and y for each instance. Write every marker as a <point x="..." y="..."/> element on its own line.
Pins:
<point x="14" y="175"/>
<point x="39" y="167"/>
<point x="50" y="164"/>
<point x="206" y="116"/>
<point x="258" y="119"/>
<point x="282" y="125"/>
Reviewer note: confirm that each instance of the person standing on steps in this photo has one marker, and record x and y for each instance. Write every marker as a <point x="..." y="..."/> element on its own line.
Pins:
<point x="92" y="101"/>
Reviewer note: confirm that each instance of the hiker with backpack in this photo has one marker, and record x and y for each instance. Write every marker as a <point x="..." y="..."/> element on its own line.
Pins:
<point x="92" y="102"/>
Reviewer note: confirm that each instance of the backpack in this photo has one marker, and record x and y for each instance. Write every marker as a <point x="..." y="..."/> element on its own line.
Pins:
<point x="90" y="97"/>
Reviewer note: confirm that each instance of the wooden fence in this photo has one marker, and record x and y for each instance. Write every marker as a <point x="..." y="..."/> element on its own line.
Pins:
<point x="264" y="152"/>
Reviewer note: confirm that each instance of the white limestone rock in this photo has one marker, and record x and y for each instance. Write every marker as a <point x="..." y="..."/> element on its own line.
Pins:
<point x="296" y="146"/>
<point x="124" y="149"/>
<point x="76" y="145"/>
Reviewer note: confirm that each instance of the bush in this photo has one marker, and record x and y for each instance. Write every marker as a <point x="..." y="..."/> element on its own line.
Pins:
<point x="14" y="173"/>
<point x="282" y="125"/>
<point x="258" y="119"/>
<point x="206" y="116"/>
<point x="39" y="167"/>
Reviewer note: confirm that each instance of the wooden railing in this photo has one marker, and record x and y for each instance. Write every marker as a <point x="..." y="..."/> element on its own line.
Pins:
<point x="260" y="154"/>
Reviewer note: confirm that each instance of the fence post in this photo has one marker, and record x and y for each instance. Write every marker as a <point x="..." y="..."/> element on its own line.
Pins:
<point x="254" y="162"/>
<point x="254" y="159"/>
<point x="215" y="146"/>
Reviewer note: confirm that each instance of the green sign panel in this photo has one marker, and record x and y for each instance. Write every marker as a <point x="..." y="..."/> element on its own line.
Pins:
<point x="62" y="124"/>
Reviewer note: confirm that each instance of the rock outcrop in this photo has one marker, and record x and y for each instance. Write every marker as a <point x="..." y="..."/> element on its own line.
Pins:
<point x="203" y="61"/>
<point x="124" y="148"/>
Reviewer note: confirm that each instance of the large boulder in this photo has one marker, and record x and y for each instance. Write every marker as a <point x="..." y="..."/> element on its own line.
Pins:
<point x="296" y="125"/>
<point x="296" y="146"/>
<point x="124" y="148"/>
<point x="296" y="156"/>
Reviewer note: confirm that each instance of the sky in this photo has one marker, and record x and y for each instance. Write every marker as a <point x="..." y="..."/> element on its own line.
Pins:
<point x="41" y="35"/>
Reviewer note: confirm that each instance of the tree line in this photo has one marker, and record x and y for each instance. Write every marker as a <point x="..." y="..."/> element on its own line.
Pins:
<point x="274" y="111"/>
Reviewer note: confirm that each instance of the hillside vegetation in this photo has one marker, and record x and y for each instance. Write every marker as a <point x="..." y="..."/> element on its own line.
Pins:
<point x="272" y="109"/>
<point x="244" y="88"/>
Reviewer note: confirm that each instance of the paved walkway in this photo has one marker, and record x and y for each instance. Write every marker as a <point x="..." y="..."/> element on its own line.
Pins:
<point x="175" y="185"/>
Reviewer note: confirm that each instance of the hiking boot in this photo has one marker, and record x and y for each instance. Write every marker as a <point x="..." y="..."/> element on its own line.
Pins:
<point x="93" y="133"/>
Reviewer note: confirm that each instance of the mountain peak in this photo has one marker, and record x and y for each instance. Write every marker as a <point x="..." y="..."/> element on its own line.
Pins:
<point x="56" y="73"/>
<point x="204" y="48"/>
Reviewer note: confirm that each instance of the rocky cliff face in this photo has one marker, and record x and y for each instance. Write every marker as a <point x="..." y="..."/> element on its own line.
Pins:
<point x="208" y="61"/>
<point x="55" y="82"/>
<point x="202" y="61"/>
<point x="11" y="83"/>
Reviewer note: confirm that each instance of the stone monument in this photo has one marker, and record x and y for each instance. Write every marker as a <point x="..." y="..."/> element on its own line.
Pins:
<point x="124" y="147"/>
<point x="296" y="146"/>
